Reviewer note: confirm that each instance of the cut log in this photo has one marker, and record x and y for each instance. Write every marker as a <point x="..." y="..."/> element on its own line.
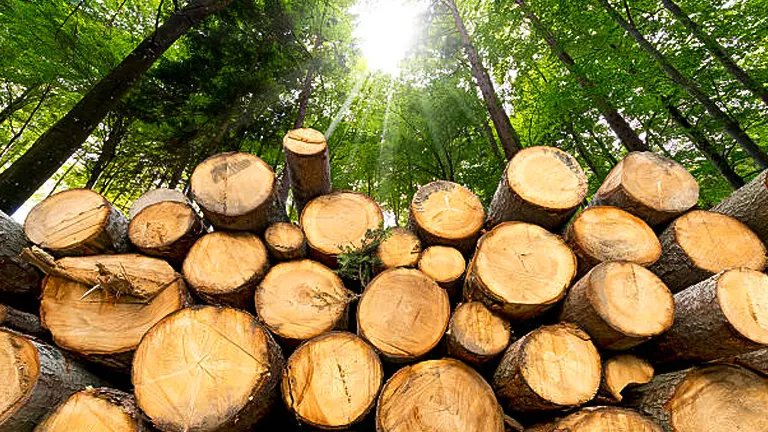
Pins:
<point x="237" y="191"/>
<point x="621" y="371"/>
<point x="700" y="244"/>
<point x="652" y="187"/>
<point x="100" y="327"/>
<point x="600" y="419"/>
<point x="166" y="229"/>
<point x="723" y="316"/>
<point x="475" y="335"/>
<point x="299" y="300"/>
<point x="552" y="367"/>
<point x="285" y="241"/>
<point x="338" y="221"/>
<point x="519" y="270"/>
<point x="438" y="396"/>
<point x="207" y="369"/>
<point x="446" y="266"/>
<point x="77" y="222"/>
<point x="401" y="249"/>
<point x="749" y="204"/>
<point x="35" y="377"/>
<point x="712" y="398"/>
<point x="445" y="213"/>
<point x="403" y="314"/>
<point x="755" y="360"/>
<point x="600" y="234"/>
<point x="22" y="322"/>
<point x="155" y="196"/>
<point x="226" y="267"/>
<point x="331" y="382"/>
<point x="96" y="410"/>
<point x="542" y="186"/>
<point x="620" y="304"/>
<point x="306" y="156"/>
<point x="17" y="277"/>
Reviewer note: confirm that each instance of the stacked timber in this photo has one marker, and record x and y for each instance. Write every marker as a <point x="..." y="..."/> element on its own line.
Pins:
<point x="306" y="159"/>
<point x="401" y="249"/>
<point x="19" y="280"/>
<point x="99" y="409"/>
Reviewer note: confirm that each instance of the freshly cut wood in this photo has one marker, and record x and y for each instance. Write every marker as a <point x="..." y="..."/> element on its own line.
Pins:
<point x="403" y="314"/>
<point x="207" y="369"/>
<point x="155" y="196"/>
<point x="401" y="249"/>
<point x="552" y="367"/>
<point x="101" y="327"/>
<point x="723" y="316"/>
<point x="299" y="300"/>
<point x="446" y="266"/>
<point x="621" y="371"/>
<point x="652" y="187"/>
<point x="22" y="322"/>
<point x="35" y="377"/>
<point x="226" y="267"/>
<point x="700" y="244"/>
<point x="166" y="229"/>
<point x="77" y="222"/>
<point x="439" y="396"/>
<point x="712" y="398"/>
<point x="542" y="186"/>
<point x="285" y="241"/>
<point x="755" y="360"/>
<point x="445" y="213"/>
<point x="475" y="335"/>
<point x="237" y="191"/>
<point x="331" y="382"/>
<point x="17" y="277"/>
<point x="96" y="410"/>
<point x="620" y="304"/>
<point x="749" y="204"/>
<point x="306" y="156"/>
<point x="337" y="221"/>
<point x="600" y="234"/>
<point x="519" y="270"/>
<point x="600" y="419"/>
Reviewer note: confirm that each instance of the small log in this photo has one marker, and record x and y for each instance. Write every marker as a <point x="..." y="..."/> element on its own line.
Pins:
<point x="749" y="204"/>
<point x="446" y="266"/>
<point x="445" y="213"/>
<point x="165" y="229"/>
<point x="155" y="196"/>
<point x="519" y="270"/>
<point x="542" y="186"/>
<point x="77" y="222"/>
<point x="440" y="396"/>
<point x="306" y="158"/>
<point x="96" y="410"/>
<point x="553" y="367"/>
<point x="17" y="277"/>
<point x="403" y="314"/>
<point x="620" y="304"/>
<point x="206" y="369"/>
<point x="475" y="335"/>
<point x="600" y="419"/>
<point x="331" y="382"/>
<point x="654" y="188"/>
<point x="22" y="322"/>
<point x="755" y="360"/>
<point x="622" y="371"/>
<point x="285" y="241"/>
<point x="226" y="267"/>
<point x="401" y="249"/>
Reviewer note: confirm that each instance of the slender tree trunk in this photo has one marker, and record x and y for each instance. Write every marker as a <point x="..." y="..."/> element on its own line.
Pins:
<point x="492" y="142"/>
<point x="582" y="149"/>
<point x="18" y="134"/>
<point x="17" y="103"/>
<point x="55" y="146"/>
<point x="603" y="148"/>
<point x="108" y="149"/>
<point x="730" y="125"/>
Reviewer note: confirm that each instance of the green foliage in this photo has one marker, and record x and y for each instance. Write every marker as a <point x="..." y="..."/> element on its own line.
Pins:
<point x="359" y="263"/>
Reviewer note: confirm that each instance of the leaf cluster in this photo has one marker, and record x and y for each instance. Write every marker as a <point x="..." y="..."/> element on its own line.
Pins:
<point x="360" y="263"/>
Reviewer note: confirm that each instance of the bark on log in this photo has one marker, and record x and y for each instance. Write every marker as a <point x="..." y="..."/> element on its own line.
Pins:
<point x="542" y="186"/>
<point x="285" y="241"/>
<point x="17" y="277"/>
<point x="401" y="249"/>
<point x="446" y="266"/>
<point x="22" y="322"/>
<point x="306" y="156"/>
<point x="755" y="360"/>
<point x="622" y="371"/>
<point x="155" y="196"/>
<point x="600" y="419"/>
<point x="749" y="204"/>
<point x="96" y="410"/>
<point x="475" y="335"/>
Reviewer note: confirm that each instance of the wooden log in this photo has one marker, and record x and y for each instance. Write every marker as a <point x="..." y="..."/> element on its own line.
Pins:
<point x="299" y="300"/>
<point x="236" y="191"/>
<point x="100" y="327"/>
<point x="401" y="249"/>
<point x="446" y="266"/>
<point x="620" y="304"/>
<point x="622" y="371"/>
<point x="600" y="419"/>
<point x="552" y="367"/>
<point x="403" y="314"/>
<point x="35" y="376"/>
<point x="712" y="398"/>
<point x="755" y="360"/>
<point x="226" y="267"/>
<point x="96" y="410"/>
<point x="22" y="322"/>
<point x="749" y="204"/>
<point x="285" y="241"/>
<point x="700" y="244"/>
<point x="439" y="396"/>
<point x="654" y="188"/>
<point x="601" y="234"/>
<point x="542" y="186"/>
<point x="337" y="221"/>
<point x="17" y="277"/>
<point x="306" y="156"/>
<point x="331" y="382"/>
<point x="166" y="228"/>
<point x="475" y="335"/>
<point x="206" y="369"/>
<point x="77" y="222"/>
<point x="155" y="196"/>
<point x="445" y="213"/>
<point x="722" y="316"/>
<point x="519" y="270"/>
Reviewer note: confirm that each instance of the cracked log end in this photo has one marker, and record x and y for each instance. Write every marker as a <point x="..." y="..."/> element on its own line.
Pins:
<point x="476" y="335"/>
<point x="96" y="410"/>
<point x="285" y="241"/>
<point x="401" y="249"/>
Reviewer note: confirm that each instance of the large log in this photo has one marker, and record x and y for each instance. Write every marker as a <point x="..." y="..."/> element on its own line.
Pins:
<point x="17" y="277"/>
<point x="652" y="187"/>
<point x="749" y="204"/>
<point x="542" y="186"/>
<point x="155" y="196"/>
<point x="22" y="322"/>
<point x="446" y="266"/>
<point x="285" y="241"/>
<point x="620" y="304"/>
<point x="700" y="244"/>
<point x="96" y="410"/>
<point x="401" y="249"/>
<point x="306" y="158"/>
<point x="331" y="382"/>
<point x="519" y="270"/>
<point x="475" y="335"/>
<point x="438" y="396"/>
<point x="600" y="419"/>
<point x="207" y="369"/>
<point x="622" y="371"/>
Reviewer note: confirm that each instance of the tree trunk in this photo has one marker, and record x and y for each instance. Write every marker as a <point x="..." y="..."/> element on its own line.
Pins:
<point x="23" y="127"/>
<point x="285" y="242"/>
<point x="117" y="412"/>
<point x="475" y="335"/>
<point x="108" y="149"/>
<point x="306" y="159"/>
<point x="749" y="204"/>
<point x="22" y="322"/>
<point x="17" y="103"/>
<point x="19" y="281"/>
<point x="582" y="150"/>
<point x="401" y="249"/>
<point x="620" y="372"/>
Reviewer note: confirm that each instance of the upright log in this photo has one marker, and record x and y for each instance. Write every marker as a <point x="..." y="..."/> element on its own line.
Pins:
<point x="621" y="371"/>
<point x="401" y="249"/>
<point x="446" y="266"/>
<point x="96" y="410"/>
<point x="475" y="335"/>
<point x="306" y="156"/>
<point x="17" y="277"/>
<point x="600" y="419"/>
<point x="749" y="204"/>
<point x="285" y="241"/>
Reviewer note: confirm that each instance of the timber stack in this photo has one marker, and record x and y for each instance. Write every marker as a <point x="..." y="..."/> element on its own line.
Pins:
<point x="542" y="311"/>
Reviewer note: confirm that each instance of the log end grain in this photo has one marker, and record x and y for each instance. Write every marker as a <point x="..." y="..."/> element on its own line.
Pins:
<point x="475" y="335"/>
<point x="621" y="371"/>
<point x="743" y="298"/>
<point x="601" y="419"/>
<point x="401" y="249"/>
<point x="155" y="196"/>
<point x="444" y="264"/>
<point x="305" y="142"/>
<point x="95" y="410"/>
<point x="167" y="229"/>
<point x="19" y="372"/>
<point x="285" y="241"/>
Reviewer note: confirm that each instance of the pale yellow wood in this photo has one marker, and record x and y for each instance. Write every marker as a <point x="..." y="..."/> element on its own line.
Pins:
<point x="547" y="177"/>
<point x="84" y="411"/>
<point x="623" y="370"/>
<point x="447" y="210"/>
<point x="401" y="249"/>
<point x="162" y="224"/>
<point x="743" y="297"/>
<point x="285" y="241"/>
<point x="19" y="371"/>
<point x="603" y="419"/>
<point x="476" y="335"/>
<point x="305" y="142"/>
<point x="444" y="264"/>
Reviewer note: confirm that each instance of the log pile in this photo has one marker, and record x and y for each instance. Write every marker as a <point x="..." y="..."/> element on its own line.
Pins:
<point x="632" y="313"/>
